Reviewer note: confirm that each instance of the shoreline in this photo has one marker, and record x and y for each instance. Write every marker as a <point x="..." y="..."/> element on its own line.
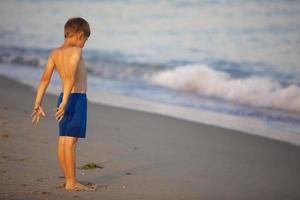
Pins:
<point x="144" y="156"/>
<point x="246" y="125"/>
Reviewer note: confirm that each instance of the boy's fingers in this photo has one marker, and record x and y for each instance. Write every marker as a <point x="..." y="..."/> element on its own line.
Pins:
<point x="43" y="113"/>
<point x="32" y="113"/>
<point x="61" y="118"/>
<point x="37" y="120"/>
<point x="58" y="113"/>
<point x="33" y="118"/>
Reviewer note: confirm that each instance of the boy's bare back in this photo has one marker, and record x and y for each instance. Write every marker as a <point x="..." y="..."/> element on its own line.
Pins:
<point x="64" y="59"/>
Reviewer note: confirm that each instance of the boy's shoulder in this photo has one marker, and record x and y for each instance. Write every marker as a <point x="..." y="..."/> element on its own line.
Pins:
<point x="69" y="50"/>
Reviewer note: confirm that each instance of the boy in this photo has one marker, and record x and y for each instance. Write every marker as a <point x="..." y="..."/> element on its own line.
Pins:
<point x="71" y="111"/>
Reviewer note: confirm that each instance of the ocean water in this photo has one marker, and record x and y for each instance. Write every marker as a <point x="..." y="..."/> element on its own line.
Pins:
<point x="229" y="59"/>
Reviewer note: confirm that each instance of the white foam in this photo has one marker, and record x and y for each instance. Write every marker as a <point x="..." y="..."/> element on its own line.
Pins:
<point x="255" y="90"/>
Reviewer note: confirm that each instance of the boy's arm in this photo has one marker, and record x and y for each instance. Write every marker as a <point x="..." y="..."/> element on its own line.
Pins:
<point x="44" y="82"/>
<point x="69" y="81"/>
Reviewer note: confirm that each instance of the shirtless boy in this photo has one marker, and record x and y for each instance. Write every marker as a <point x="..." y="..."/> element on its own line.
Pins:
<point x="71" y="108"/>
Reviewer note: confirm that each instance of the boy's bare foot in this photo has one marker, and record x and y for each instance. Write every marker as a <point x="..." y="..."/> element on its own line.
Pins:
<point x="79" y="187"/>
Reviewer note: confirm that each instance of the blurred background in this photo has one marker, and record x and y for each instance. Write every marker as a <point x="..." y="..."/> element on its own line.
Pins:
<point x="229" y="57"/>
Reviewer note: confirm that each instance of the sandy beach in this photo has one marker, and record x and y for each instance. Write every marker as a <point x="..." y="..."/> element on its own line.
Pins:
<point x="142" y="156"/>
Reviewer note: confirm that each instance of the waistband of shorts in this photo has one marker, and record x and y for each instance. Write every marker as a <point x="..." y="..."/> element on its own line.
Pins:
<point x="74" y="94"/>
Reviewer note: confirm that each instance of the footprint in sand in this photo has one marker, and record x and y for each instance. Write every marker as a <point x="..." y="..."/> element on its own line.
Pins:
<point x="41" y="179"/>
<point x="45" y="192"/>
<point x="93" y="186"/>
<point x="4" y="135"/>
<point x="24" y="159"/>
<point x="4" y="158"/>
<point x="7" y="133"/>
<point x="3" y="122"/>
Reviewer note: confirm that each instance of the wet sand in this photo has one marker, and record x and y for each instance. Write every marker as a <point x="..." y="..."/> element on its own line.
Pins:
<point x="142" y="156"/>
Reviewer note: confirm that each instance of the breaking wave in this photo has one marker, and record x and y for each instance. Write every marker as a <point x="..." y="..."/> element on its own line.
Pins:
<point x="258" y="91"/>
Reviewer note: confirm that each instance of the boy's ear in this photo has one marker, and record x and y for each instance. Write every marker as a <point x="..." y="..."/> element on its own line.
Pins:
<point x="80" y="35"/>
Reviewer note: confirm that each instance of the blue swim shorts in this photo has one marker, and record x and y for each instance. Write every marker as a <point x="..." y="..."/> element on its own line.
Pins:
<point x="74" y="120"/>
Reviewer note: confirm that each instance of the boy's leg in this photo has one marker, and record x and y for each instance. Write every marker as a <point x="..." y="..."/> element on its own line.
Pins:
<point x="61" y="154"/>
<point x="70" y="161"/>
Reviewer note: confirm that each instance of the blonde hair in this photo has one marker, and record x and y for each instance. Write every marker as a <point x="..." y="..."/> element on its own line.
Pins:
<point x="75" y="25"/>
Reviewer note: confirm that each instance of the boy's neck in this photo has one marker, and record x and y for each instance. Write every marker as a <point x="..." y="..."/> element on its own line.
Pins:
<point x="68" y="43"/>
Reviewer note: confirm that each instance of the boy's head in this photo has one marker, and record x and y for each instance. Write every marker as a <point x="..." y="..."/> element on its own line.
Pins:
<point x="78" y="29"/>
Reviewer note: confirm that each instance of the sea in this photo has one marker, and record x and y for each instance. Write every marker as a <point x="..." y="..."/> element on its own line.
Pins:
<point x="228" y="63"/>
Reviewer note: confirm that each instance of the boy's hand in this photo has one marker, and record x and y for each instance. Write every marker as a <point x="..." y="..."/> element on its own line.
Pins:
<point x="37" y="111"/>
<point x="60" y="111"/>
